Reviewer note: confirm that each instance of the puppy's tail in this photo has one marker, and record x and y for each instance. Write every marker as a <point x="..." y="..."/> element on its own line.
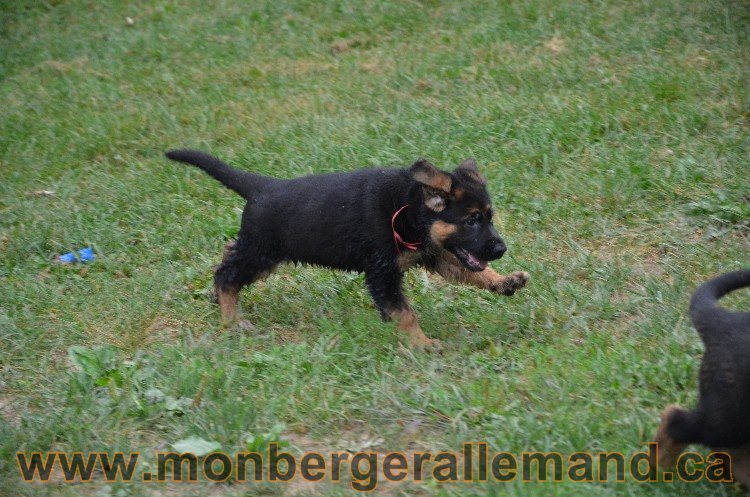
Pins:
<point x="710" y="319"/>
<point x="242" y="182"/>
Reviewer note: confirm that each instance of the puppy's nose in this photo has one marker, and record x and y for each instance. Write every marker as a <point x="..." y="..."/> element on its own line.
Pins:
<point x="498" y="249"/>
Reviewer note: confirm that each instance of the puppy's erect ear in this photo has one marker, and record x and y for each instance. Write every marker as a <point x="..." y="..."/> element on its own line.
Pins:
<point x="436" y="184"/>
<point x="429" y="175"/>
<point x="469" y="169"/>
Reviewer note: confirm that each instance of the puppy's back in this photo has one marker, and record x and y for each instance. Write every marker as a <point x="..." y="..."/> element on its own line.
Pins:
<point x="724" y="394"/>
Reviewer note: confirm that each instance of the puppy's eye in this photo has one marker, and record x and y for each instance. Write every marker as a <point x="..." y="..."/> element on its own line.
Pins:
<point x="472" y="221"/>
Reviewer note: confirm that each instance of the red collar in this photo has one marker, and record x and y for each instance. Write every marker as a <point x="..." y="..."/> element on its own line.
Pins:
<point x="397" y="238"/>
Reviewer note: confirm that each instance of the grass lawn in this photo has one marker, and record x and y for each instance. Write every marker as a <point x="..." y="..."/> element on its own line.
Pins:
<point x="614" y="137"/>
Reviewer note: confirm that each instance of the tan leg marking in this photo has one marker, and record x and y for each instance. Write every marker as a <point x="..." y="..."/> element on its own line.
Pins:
<point x="228" y="304"/>
<point x="669" y="449"/>
<point x="228" y="298"/>
<point x="406" y="321"/>
<point x="450" y="269"/>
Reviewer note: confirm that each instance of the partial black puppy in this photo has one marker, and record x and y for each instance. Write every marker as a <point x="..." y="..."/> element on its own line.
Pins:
<point x="721" y="421"/>
<point x="377" y="221"/>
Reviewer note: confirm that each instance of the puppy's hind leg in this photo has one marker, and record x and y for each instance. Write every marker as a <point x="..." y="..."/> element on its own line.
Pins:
<point x="243" y="264"/>
<point x="678" y="429"/>
<point x="740" y="466"/>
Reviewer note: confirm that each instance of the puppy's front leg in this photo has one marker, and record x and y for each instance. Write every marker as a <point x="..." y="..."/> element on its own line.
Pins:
<point x="385" y="288"/>
<point x="488" y="279"/>
<point x="406" y="321"/>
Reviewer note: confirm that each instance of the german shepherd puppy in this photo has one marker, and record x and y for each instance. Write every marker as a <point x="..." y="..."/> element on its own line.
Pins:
<point x="721" y="421"/>
<point x="377" y="221"/>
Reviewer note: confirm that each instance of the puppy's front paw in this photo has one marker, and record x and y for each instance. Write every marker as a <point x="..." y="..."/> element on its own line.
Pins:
<point x="514" y="281"/>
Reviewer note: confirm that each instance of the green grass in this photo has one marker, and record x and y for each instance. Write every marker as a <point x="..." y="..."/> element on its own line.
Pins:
<point x="614" y="136"/>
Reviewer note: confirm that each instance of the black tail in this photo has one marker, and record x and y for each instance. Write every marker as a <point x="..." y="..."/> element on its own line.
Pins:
<point x="705" y="311"/>
<point x="242" y="182"/>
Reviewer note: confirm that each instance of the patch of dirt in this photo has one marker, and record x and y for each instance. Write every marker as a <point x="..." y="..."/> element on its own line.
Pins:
<point x="9" y="410"/>
<point x="556" y="45"/>
<point x="304" y="67"/>
<point x="162" y="325"/>
<point x="286" y="335"/>
<point x="352" y="440"/>
<point x="651" y="262"/>
<point x="66" y="66"/>
<point x="371" y="67"/>
<point x="699" y="59"/>
<point x="344" y="45"/>
<point x="204" y="489"/>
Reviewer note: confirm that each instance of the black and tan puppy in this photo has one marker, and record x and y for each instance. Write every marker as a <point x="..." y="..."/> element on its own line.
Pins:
<point x="377" y="221"/>
<point x="721" y="421"/>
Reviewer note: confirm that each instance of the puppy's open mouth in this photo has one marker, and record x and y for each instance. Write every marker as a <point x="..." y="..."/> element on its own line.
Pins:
<point x="468" y="260"/>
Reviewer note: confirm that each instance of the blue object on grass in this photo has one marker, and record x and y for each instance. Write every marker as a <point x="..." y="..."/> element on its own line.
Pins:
<point x="84" y="255"/>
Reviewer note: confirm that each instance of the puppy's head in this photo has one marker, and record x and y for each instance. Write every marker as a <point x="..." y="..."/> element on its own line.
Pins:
<point x="458" y="212"/>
